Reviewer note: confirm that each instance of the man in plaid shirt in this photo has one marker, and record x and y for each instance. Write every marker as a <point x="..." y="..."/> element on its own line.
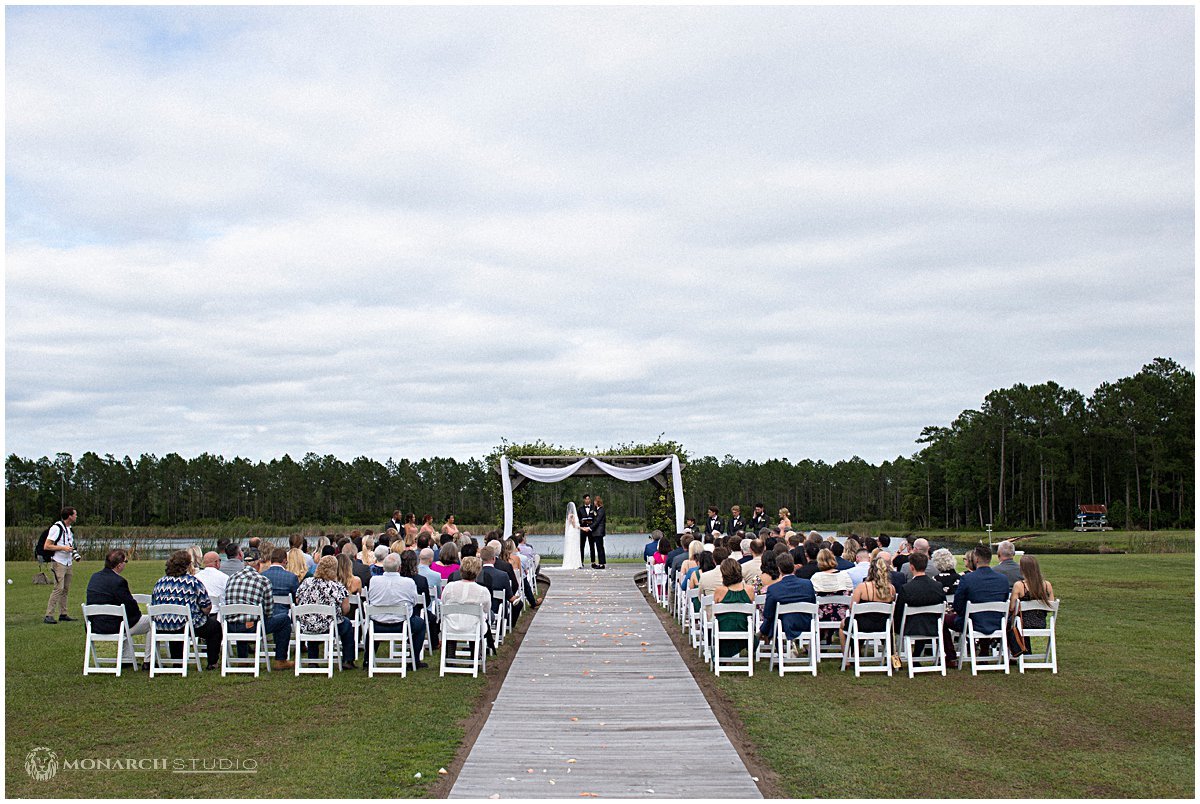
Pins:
<point x="248" y="587"/>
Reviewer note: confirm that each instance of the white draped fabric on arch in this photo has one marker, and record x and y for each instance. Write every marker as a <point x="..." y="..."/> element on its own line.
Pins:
<point x="544" y="474"/>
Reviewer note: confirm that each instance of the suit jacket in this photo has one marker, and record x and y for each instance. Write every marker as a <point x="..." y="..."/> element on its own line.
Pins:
<point x="587" y="515"/>
<point x="919" y="591"/>
<point x="759" y="522"/>
<point x="599" y="526"/>
<point x="107" y="587"/>
<point x="788" y="589"/>
<point x="650" y="549"/>
<point x="736" y="524"/>
<point x="1010" y="570"/>
<point x="495" y="580"/>
<point x="397" y="526"/>
<point x="363" y="572"/>
<point x="983" y="585"/>
<point x="715" y="524"/>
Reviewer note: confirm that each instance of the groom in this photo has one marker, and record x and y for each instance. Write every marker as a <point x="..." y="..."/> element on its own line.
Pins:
<point x="587" y="515"/>
<point x="597" y="532"/>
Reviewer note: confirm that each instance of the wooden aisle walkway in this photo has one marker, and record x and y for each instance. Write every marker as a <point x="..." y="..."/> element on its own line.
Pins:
<point x="597" y="701"/>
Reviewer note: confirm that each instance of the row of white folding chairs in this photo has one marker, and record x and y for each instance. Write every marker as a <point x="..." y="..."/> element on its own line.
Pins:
<point x="700" y="625"/>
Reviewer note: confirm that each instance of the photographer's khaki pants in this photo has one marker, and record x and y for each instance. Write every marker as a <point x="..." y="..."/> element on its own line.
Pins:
<point x="62" y="585"/>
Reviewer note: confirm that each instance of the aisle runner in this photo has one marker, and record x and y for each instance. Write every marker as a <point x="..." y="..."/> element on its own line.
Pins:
<point x="598" y="701"/>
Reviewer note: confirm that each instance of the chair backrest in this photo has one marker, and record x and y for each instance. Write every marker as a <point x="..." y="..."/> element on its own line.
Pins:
<point x="837" y="600"/>
<point x="402" y="609"/>
<point x="733" y="608"/>
<point x="935" y="610"/>
<point x="142" y="600"/>
<point x="999" y="607"/>
<point x="281" y="600"/>
<point x="474" y="610"/>
<point x="1037" y="605"/>
<point x="103" y="610"/>
<point x="239" y="610"/>
<point x="325" y="609"/>
<point x="164" y="609"/>
<point x="796" y="608"/>
<point x="866" y="607"/>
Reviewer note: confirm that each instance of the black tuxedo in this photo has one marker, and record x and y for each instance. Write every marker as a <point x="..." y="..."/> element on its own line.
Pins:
<point x="598" y="530"/>
<point x="715" y="524"/>
<point x="736" y="524"/>
<point x="587" y="515"/>
<point x="759" y="522"/>
<point x="397" y="526"/>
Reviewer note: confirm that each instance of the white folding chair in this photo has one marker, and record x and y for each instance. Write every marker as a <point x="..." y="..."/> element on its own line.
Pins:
<point x="471" y="635"/>
<point x="1047" y="660"/>
<point x="881" y="641"/>
<point x="810" y="639"/>
<point x="157" y="640"/>
<point x="498" y="616"/>
<point x="831" y="649"/>
<point x="139" y="640"/>
<point x="358" y="624"/>
<point x="706" y="626"/>
<point x="693" y="623"/>
<point x="923" y="664"/>
<point x="971" y="636"/>
<point x="743" y="637"/>
<point x="390" y="663"/>
<point x="93" y="662"/>
<point x="658" y="577"/>
<point x="231" y="638"/>
<point x="328" y="639"/>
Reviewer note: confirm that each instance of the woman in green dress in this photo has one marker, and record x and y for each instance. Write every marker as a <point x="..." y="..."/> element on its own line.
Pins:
<point x="732" y="590"/>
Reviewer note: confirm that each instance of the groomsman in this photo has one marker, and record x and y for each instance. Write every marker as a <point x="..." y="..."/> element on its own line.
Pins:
<point x="736" y="522"/>
<point x="758" y="520"/>
<point x="714" y="521"/>
<point x="587" y="515"/>
<point x="597" y="532"/>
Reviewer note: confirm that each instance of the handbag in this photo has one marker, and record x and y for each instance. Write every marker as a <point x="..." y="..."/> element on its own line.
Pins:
<point x="1016" y="640"/>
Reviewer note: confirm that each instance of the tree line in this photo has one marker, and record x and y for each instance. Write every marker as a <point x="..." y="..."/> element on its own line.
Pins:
<point x="1026" y="458"/>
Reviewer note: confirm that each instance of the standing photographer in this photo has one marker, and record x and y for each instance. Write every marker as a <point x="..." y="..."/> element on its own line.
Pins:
<point x="61" y="542"/>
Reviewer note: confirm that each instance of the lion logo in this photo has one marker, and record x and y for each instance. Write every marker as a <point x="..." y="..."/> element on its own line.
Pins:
<point x="41" y="763"/>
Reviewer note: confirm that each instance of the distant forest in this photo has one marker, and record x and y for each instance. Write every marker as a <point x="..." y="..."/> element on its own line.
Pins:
<point x="1024" y="459"/>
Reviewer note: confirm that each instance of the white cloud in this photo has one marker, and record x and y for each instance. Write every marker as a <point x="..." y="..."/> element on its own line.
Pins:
<point x="796" y="232"/>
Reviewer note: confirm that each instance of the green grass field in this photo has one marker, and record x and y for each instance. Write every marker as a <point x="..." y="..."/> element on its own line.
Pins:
<point x="1117" y="721"/>
<point x="345" y="737"/>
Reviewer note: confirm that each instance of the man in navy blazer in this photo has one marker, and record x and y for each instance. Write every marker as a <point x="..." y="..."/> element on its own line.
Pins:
<point x="981" y="585"/>
<point x="788" y="589"/>
<point x="494" y="579"/>
<point x="107" y="587"/>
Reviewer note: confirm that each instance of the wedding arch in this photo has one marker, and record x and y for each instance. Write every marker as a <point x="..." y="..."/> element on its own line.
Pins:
<point x="556" y="468"/>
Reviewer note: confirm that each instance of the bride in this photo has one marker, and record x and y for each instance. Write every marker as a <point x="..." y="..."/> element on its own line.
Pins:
<point x="572" y="559"/>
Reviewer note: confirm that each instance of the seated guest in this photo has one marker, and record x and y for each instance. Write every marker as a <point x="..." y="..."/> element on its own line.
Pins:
<point x="752" y="566"/>
<point x="1031" y="587"/>
<point x="426" y="540"/>
<point x="393" y="589"/>
<point x="896" y="575"/>
<point x="918" y="546"/>
<point x="829" y="580"/>
<point x="858" y="571"/>
<point x="734" y="544"/>
<point x="494" y="578"/>
<point x="526" y="549"/>
<point x="424" y="560"/>
<point x="944" y="570"/>
<point x="297" y="564"/>
<point x="325" y="589"/>
<point x="214" y="580"/>
<point x="108" y="588"/>
<point x="466" y="591"/>
<point x="732" y="590"/>
<point x="250" y="588"/>
<point x="659" y="556"/>
<point x="346" y="575"/>
<point x="877" y="588"/>
<point x="768" y="571"/>
<point x="361" y="571"/>
<point x="786" y="588"/>
<point x="920" y="590"/>
<point x="651" y="547"/>
<point x="744" y="550"/>
<point x="179" y="588"/>
<point x="367" y="554"/>
<point x="809" y="568"/>
<point x="704" y="563"/>
<point x="837" y="549"/>
<point x="709" y="580"/>
<point x="1006" y="566"/>
<point x="690" y="563"/>
<point x="283" y="584"/>
<point x="233" y="562"/>
<point x="381" y="552"/>
<point x="796" y="546"/>
<point x="676" y="557"/>
<point x="410" y="567"/>
<point x="448" y="562"/>
<point x="981" y="585"/>
<point x="850" y="549"/>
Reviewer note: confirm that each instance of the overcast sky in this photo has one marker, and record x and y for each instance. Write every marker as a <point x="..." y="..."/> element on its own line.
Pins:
<point x="408" y="232"/>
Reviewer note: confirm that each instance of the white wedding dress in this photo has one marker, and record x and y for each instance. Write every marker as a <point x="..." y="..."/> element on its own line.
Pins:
<point x="572" y="559"/>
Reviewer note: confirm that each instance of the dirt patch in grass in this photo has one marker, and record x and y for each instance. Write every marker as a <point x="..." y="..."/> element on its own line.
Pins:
<point x="497" y="671"/>
<point x="727" y="715"/>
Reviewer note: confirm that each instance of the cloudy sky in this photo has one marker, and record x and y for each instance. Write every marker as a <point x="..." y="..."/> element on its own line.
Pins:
<point x="407" y="232"/>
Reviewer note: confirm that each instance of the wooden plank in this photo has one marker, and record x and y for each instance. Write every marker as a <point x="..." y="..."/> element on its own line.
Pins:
<point x="598" y="701"/>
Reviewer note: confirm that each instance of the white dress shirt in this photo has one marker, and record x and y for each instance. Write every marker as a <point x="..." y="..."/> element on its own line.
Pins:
<point x="391" y="589"/>
<point x="215" y="582"/>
